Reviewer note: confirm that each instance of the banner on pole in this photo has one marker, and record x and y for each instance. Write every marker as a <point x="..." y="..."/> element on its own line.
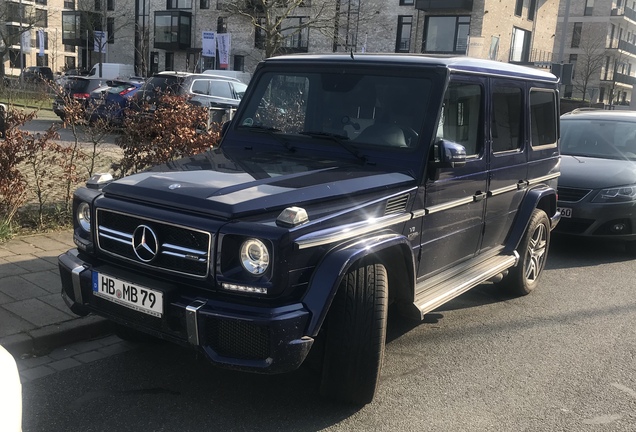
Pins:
<point x="41" y="43"/>
<point x="224" y="42"/>
<point x="208" y="45"/>
<point x="25" y="41"/>
<point x="100" y="41"/>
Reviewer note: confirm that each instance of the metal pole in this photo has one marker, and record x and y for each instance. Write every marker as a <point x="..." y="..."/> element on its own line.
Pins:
<point x="560" y="59"/>
<point x="21" y="51"/>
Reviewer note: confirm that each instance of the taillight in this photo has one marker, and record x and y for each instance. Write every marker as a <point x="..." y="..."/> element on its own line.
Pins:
<point x="81" y="96"/>
<point x="125" y="92"/>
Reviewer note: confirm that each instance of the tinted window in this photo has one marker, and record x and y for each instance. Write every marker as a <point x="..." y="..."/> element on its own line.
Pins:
<point x="460" y="117"/>
<point x="76" y="85"/>
<point x="543" y="117"/>
<point x="220" y="89"/>
<point x="169" y="84"/>
<point x="506" y="118"/>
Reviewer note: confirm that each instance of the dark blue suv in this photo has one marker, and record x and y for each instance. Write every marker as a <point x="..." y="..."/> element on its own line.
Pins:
<point x="343" y="185"/>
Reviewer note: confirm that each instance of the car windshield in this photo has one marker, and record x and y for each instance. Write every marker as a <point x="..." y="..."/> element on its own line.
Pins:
<point x="364" y="109"/>
<point x="163" y="84"/>
<point x="600" y="138"/>
<point x="76" y="85"/>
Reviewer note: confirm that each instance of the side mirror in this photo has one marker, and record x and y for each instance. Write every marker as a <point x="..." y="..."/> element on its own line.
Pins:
<point x="449" y="155"/>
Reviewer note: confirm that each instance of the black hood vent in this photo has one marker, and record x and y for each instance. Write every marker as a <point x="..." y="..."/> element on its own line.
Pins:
<point x="396" y="204"/>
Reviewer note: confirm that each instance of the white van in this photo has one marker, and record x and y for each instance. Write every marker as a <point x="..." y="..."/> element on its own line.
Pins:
<point x="112" y="71"/>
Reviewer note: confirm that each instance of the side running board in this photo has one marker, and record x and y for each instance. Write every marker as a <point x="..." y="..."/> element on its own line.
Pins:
<point x="429" y="298"/>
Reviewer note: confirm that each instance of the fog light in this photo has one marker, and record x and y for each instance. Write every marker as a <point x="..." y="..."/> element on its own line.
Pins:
<point x="617" y="228"/>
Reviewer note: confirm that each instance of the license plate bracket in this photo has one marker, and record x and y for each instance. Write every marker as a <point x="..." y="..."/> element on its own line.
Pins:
<point x="566" y="212"/>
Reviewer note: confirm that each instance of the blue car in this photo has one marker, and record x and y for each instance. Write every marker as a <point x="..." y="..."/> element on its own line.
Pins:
<point x="110" y="102"/>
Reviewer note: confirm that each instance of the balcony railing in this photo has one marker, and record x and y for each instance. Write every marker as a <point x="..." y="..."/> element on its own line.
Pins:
<point x="624" y="12"/>
<point x="430" y="5"/>
<point x="625" y="79"/>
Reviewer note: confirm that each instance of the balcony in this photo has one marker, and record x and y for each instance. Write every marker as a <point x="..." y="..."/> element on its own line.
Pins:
<point x="78" y="27"/>
<point x="173" y="30"/>
<point x="625" y="79"/>
<point x="438" y="5"/>
<point x="624" y="13"/>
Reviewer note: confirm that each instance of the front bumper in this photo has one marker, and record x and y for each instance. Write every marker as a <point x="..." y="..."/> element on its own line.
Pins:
<point x="256" y="339"/>
<point x="604" y="221"/>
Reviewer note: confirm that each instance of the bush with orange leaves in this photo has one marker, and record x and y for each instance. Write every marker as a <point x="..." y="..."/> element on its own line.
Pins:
<point x="175" y="129"/>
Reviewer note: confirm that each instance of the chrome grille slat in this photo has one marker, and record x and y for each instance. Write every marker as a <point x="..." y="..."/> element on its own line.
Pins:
<point x="181" y="249"/>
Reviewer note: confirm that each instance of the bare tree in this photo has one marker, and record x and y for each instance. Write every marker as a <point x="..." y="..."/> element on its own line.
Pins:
<point x="591" y="59"/>
<point x="10" y="34"/>
<point x="281" y="25"/>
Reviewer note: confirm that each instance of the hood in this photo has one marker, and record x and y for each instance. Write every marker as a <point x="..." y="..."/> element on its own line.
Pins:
<point x="595" y="173"/>
<point x="224" y="186"/>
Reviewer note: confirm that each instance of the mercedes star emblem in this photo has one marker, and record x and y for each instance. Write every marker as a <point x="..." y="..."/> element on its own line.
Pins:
<point x="145" y="243"/>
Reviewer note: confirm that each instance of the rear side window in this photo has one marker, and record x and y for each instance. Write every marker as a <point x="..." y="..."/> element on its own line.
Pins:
<point x="220" y="89"/>
<point x="507" y="104"/>
<point x="543" y="117"/>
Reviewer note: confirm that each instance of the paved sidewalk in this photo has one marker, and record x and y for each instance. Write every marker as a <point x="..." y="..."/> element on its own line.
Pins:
<point x="34" y="320"/>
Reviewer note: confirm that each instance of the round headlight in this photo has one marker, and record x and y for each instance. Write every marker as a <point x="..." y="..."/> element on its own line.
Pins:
<point x="254" y="256"/>
<point x="83" y="216"/>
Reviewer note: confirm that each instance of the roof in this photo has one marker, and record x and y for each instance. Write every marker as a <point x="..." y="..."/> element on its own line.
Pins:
<point x="600" y="114"/>
<point x="453" y="63"/>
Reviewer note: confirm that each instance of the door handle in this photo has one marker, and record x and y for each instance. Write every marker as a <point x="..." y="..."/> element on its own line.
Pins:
<point x="479" y="195"/>
<point x="522" y="184"/>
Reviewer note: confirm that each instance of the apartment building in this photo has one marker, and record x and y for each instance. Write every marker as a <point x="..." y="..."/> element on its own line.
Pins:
<point x="599" y="38"/>
<point x="21" y="24"/>
<point x="167" y="34"/>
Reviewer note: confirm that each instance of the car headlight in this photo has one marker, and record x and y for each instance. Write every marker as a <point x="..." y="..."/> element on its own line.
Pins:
<point x="617" y="194"/>
<point x="254" y="256"/>
<point x="83" y="216"/>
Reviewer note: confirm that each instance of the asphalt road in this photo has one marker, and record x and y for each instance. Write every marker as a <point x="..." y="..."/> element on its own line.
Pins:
<point x="560" y="359"/>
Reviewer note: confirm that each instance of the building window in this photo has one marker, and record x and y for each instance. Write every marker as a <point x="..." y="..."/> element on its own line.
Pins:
<point x="407" y="2"/>
<point x="98" y="5"/>
<point x="41" y="18"/>
<point x="403" y="42"/>
<point x="42" y="2"/>
<point x="69" y="48"/>
<point x="259" y="34"/>
<point x="204" y="4"/>
<point x="69" y="62"/>
<point x="519" y="7"/>
<point x="173" y="30"/>
<point x="42" y="60"/>
<point x="221" y="25"/>
<point x="110" y="5"/>
<point x="69" y="4"/>
<point x="573" y="59"/>
<point x="14" y="59"/>
<point x="169" y="61"/>
<point x="110" y="30"/>
<point x="239" y="63"/>
<point x="295" y="35"/>
<point x="520" y="47"/>
<point x="576" y="34"/>
<point x="179" y="4"/>
<point x="589" y="7"/>
<point x="446" y="34"/>
<point x="532" y="10"/>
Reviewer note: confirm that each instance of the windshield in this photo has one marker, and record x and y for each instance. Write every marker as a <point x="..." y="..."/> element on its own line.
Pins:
<point x="363" y="109"/>
<point x="601" y="138"/>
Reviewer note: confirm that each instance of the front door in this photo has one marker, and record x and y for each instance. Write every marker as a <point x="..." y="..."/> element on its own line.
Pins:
<point x="455" y="200"/>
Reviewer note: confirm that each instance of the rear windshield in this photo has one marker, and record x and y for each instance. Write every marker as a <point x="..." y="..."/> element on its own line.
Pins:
<point x="76" y="85"/>
<point x="162" y="84"/>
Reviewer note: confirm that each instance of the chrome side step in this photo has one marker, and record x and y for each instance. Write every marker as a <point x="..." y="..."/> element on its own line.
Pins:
<point x="429" y="298"/>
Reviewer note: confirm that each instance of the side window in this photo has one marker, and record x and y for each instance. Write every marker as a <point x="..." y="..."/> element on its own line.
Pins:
<point x="461" y="116"/>
<point x="506" y="127"/>
<point x="543" y="117"/>
<point x="220" y="89"/>
<point x="200" y="87"/>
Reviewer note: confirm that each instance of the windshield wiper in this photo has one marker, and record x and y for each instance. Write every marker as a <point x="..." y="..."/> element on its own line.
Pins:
<point x="337" y="138"/>
<point x="271" y="131"/>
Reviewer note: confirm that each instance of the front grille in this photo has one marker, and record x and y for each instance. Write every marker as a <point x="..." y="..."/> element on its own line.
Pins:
<point x="179" y="249"/>
<point x="237" y="339"/>
<point x="572" y="194"/>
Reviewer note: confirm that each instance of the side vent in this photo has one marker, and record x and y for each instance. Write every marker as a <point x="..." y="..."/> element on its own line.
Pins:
<point x="396" y="204"/>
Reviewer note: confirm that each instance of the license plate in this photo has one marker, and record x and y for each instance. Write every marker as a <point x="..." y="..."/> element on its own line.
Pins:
<point x="565" y="212"/>
<point x="133" y="296"/>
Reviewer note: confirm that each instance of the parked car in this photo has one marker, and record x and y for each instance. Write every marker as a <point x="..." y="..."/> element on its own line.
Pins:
<point x="162" y="83"/>
<point x="110" y="103"/>
<point x="597" y="187"/>
<point x="37" y="74"/>
<point x="340" y="186"/>
<point x="75" y="87"/>
<point x="10" y="394"/>
<point x="218" y="93"/>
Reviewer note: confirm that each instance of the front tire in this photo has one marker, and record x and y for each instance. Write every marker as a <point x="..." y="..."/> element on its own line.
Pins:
<point x="355" y="336"/>
<point x="534" y="251"/>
